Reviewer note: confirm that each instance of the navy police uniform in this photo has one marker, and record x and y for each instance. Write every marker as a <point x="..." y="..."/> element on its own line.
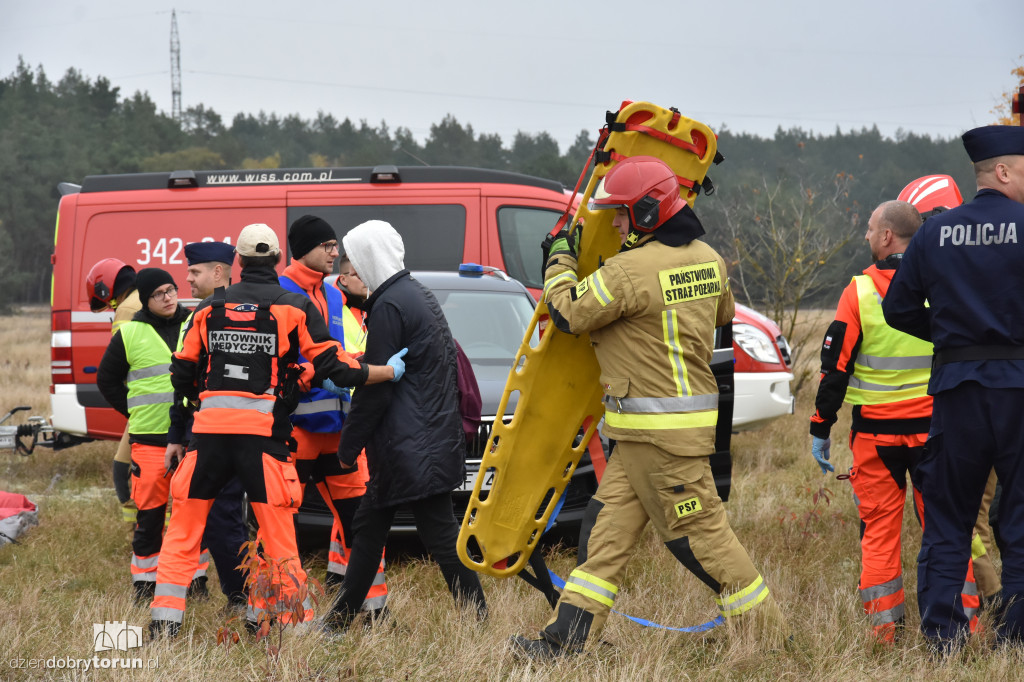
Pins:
<point x="968" y="265"/>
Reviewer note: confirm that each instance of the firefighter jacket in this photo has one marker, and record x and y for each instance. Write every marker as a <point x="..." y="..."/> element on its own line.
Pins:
<point x="125" y="311"/>
<point x="319" y="410"/>
<point x="651" y="312"/>
<point x="882" y="372"/>
<point x="239" y="357"/>
<point x="966" y="264"/>
<point x="411" y="429"/>
<point x="134" y="373"/>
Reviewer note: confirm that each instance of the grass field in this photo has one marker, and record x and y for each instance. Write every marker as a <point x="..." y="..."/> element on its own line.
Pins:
<point x="71" y="572"/>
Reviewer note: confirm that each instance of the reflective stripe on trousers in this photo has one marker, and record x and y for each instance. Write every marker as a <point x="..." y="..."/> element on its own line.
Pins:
<point x="744" y="600"/>
<point x="591" y="586"/>
<point x="884" y="603"/>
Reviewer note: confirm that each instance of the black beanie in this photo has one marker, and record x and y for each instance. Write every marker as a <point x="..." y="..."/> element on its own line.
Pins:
<point x="307" y="233"/>
<point x="149" y="280"/>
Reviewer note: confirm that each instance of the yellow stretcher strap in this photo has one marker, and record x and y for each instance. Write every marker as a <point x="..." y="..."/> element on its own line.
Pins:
<point x="559" y="403"/>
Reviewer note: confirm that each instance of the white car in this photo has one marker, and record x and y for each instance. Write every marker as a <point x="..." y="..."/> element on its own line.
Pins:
<point x="762" y="370"/>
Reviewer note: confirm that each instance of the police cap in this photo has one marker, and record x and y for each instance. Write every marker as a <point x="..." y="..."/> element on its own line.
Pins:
<point x="990" y="141"/>
<point x="209" y="252"/>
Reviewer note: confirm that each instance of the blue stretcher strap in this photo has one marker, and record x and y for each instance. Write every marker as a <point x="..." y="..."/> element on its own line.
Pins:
<point x="703" y="627"/>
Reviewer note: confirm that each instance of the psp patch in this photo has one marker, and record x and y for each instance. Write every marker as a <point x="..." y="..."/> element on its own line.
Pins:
<point x="690" y="283"/>
<point x="582" y="288"/>
<point x="687" y="507"/>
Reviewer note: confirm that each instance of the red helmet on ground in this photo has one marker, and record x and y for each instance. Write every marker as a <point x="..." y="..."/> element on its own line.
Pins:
<point x="932" y="193"/>
<point x="644" y="185"/>
<point x="107" y="280"/>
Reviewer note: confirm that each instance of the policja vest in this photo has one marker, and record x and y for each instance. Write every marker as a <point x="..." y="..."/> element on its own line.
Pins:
<point x="319" y="410"/>
<point x="890" y="366"/>
<point x="149" y="378"/>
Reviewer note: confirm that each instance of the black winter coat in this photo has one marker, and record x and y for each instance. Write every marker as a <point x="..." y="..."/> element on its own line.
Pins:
<point x="412" y="428"/>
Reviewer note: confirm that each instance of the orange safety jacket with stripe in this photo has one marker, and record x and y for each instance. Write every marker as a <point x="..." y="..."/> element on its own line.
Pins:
<point x="238" y="356"/>
<point x="840" y="351"/>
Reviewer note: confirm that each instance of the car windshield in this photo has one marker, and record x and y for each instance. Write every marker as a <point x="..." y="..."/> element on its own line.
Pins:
<point x="489" y="325"/>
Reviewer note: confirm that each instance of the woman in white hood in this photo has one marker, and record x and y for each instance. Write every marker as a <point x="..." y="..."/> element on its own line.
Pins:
<point x="412" y="429"/>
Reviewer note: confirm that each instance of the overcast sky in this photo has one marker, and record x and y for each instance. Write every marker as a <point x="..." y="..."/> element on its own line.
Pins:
<point x="935" y="67"/>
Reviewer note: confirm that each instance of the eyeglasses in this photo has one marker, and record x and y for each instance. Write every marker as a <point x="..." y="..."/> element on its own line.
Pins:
<point x="330" y="246"/>
<point x="169" y="292"/>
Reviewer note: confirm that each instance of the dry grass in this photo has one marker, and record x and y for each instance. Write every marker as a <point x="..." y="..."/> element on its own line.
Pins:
<point x="72" y="571"/>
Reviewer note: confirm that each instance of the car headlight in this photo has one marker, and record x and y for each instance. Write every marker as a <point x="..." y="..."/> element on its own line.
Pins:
<point x="755" y="343"/>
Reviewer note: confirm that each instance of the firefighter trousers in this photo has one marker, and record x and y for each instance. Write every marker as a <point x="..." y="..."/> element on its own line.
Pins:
<point x="678" y="496"/>
<point x="150" y="492"/>
<point x="985" y="573"/>
<point x="974" y="429"/>
<point x="316" y="461"/>
<point x="267" y="473"/>
<point x="881" y="466"/>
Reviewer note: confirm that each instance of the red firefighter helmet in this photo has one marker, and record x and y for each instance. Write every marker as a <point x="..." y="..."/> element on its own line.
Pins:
<point x="644" y="185"/>
<point x="932" y="193"/>
<point x="108" y="279"/>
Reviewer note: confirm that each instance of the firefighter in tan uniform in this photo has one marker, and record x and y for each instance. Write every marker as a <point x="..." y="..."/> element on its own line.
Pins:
<point x="111" y="284"/>
<point x="651" y="311"/>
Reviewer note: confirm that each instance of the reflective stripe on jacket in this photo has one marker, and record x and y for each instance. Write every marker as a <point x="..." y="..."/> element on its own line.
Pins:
<point x="651" y="313"/>
<point x="891" y="365"/>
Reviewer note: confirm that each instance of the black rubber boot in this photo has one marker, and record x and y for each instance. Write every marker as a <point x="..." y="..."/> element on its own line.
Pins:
<point x="536" y="649"/>
<point x="197" y="589"/>
<point x="566" y="636"/>
<point x="163" y="628"/>
<point x="144" y="591"/>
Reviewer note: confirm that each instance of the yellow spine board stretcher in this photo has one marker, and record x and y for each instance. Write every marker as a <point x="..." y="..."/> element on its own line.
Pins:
<point x="558" y="381"/>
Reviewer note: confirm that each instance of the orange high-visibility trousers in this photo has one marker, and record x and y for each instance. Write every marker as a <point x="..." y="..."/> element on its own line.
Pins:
<point x="267" y="473"/>
<point x="316" y="461"/>
<point x="150" y="493"/>
<point x="881" y="463"/>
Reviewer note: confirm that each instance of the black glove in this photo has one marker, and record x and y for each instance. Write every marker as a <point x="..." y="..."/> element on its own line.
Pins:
<point x="123" y="481"/>
<point x="562" y="244"/>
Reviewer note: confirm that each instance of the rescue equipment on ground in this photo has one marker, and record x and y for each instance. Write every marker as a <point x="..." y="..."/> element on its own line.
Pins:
<point x="17" y="515"/>
<point x="560" y="404"/>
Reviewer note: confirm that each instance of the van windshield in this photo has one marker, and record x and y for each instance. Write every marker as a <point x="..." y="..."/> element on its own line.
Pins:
<point x="434" y="235"/>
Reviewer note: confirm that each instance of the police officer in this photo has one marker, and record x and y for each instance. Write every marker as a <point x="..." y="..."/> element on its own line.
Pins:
<point x="321" y="413"/>
<point x="651" y="311"/>
<point x="959" y="286"/>
<point x="209" y="268"/>
<point x="237" y="361"/>
<point x="931" y="195"/>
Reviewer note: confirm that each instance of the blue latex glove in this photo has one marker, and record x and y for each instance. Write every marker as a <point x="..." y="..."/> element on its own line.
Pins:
<point x="339" y="391"/>
<point x="396" y="363"/>
<point x="820" y="449"/>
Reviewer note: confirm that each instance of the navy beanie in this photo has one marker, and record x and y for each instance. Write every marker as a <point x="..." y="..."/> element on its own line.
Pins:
<point x="307" y="233"/>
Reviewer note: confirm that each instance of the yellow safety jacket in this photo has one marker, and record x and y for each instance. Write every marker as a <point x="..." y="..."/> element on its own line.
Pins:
<point x="890" y="365"/>
<point x="651" y="313"/>
<point x="149" y="378"/>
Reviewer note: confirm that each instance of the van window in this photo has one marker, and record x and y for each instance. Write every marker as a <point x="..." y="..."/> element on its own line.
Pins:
<point x="521" y="230"/>
<point x="434" y="235"/>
